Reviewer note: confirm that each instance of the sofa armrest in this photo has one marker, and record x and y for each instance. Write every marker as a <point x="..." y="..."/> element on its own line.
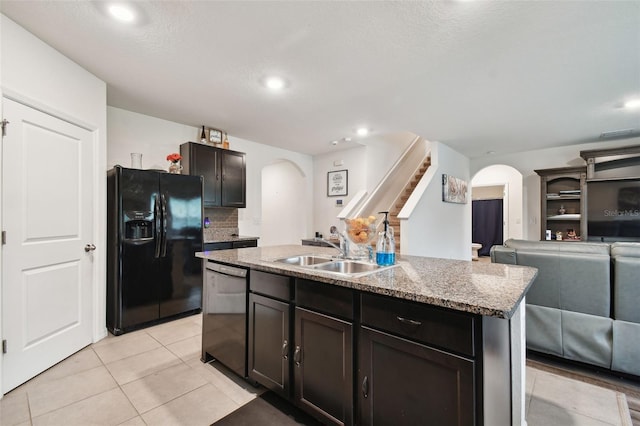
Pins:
<point x="502" y="254"/>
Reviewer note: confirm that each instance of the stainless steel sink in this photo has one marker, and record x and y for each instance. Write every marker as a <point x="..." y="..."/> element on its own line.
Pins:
<point x="344" y="267"/>
<point x="304" y="260"/>
<point x="349" y="267"/>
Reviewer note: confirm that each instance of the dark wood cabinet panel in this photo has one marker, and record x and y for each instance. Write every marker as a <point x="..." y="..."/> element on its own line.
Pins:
<point x="304" y="346"/>
<point x="406" y="383"/>
<point x="203" y="160"/>
<point x="323" y="366"/>
<point x="333" y="300"/>
<point x="218" y="246"/>
<point x="223" y="245"/>
<point x="223" y="172"/>
<point x="442" y="328"/>
<point x="272" y="285"/>
<point x="245" y="243"/>
<point x="269" y="343"/>
<point x="233" y="179"/>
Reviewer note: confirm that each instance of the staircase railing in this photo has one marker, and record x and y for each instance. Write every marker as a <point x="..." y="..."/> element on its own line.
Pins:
<point x="384" y="195"/>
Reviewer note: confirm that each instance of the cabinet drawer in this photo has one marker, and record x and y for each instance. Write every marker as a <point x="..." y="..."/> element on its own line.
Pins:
<point x="325" y="298"/>
<point x="426" y="324"/>
<point x="273" y="285"/>
<point x="245" y="243"/>
<point x="217" y="246"/>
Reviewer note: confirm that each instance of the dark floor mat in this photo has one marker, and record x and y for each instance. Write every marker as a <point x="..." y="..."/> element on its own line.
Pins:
<point x="268" y="410"/>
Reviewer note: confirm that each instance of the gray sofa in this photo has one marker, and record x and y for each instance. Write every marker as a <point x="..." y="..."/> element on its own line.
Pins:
<point x="585" y="302"/>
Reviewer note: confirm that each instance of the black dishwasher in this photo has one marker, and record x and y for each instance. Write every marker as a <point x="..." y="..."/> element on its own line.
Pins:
<point x="224" y="316"/>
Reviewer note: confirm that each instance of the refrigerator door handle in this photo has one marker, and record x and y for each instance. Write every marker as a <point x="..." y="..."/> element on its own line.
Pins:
<point x="158" y="223"/>
<point x="163" y="200"/>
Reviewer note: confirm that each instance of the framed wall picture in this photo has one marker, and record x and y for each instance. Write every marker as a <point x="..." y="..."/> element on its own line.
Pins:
<point x="214" y="136"/>
<point x="337" y="183"/>
<point x="454" y="190"/>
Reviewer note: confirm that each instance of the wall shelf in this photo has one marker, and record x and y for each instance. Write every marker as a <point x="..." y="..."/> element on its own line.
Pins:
<point x="562" y="189"/>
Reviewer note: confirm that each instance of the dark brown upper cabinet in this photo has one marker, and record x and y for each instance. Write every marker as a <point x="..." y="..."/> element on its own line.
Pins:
<point x="223" y="171"/>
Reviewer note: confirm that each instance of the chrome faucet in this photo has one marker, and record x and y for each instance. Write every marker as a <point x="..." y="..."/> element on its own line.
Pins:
<point x="344" y="244"/>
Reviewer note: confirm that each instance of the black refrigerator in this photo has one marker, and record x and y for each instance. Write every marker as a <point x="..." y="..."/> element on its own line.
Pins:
<point x="154" y="229"/>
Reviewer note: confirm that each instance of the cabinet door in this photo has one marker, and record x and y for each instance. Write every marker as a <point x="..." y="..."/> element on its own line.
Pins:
<point x="207" y="164"/>
<point x="323" y="367"/>
<point x="269" y="348"/>
<point x="405" y="383"/>
<point x="203" y="160"/>
<point x="233" y="179"/>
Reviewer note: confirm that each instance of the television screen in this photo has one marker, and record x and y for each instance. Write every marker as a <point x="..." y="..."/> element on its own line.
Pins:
<point x="613" y="210"/>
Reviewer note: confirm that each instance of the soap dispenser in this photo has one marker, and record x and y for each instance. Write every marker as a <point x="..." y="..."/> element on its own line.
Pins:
<point x="386" y="247"/>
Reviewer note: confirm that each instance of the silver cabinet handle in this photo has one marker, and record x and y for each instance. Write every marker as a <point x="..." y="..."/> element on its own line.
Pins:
<point x="297" y="356"/>
<point x="89" y="247"/>
<point x="365" y="387"/>
<point x="408" y="321"/>
<point x="285" y="350"/>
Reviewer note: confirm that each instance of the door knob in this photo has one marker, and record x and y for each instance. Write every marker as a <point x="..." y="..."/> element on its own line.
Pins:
<point x="89" y="247"/>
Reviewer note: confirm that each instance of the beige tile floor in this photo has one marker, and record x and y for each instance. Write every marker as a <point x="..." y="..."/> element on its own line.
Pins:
<point x="155" y="377"/>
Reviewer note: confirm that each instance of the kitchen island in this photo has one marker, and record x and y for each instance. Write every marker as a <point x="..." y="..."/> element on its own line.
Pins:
<point x="437" y="340"/>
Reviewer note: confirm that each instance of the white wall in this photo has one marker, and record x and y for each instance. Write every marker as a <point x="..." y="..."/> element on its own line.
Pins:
<point x="156" y="138"/>
<point x="367" y="164"/>
<point x="512" y="181"/>
<point x="325" y="207"/>
<point x="436" y="228"/>
<point x="37" y="75"/>
<point x="282" y="223"/>
<point x="527" y="162"/>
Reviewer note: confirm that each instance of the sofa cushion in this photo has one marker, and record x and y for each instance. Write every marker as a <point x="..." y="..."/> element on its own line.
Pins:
<point x="587" y="338"/>
<point x="625" y="249"/>
<point x="559" y="246"/>
<point x="626" y="347"/>
<point x="626" y="289"/>
<point x="573" y="281"/>
<point x="543" y="329"/>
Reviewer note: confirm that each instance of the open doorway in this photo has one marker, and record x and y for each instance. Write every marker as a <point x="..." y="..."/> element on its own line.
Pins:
<point x="487" y="217"/>
<point x="504" y="183"/>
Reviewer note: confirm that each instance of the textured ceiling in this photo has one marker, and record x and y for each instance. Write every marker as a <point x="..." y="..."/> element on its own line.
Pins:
<point x="503" y="76"/>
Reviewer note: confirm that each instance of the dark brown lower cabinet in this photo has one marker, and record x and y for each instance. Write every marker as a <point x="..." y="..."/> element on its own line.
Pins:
<point x="323" y="366"/>
<point x="269" y="343"/>
<point x="405" y="383"/>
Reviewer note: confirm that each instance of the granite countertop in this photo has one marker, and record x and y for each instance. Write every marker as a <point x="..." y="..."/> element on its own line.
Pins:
<point x="228" y="238"/>
<point x="490" y="289"/>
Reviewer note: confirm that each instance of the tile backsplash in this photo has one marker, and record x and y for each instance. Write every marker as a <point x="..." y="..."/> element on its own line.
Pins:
<point x="224" y="223"/>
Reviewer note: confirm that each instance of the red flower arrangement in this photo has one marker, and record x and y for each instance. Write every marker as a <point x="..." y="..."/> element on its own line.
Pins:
<point x="174" y="158"/>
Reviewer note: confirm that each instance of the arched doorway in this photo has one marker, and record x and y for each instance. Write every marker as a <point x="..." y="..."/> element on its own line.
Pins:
<point x="493" y="181"/>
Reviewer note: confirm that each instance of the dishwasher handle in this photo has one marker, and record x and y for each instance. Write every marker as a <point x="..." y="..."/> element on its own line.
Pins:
<point x="226" y="270"/>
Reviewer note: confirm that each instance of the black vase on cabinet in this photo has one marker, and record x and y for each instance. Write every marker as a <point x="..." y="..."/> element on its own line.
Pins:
<point x="223" y="171"/>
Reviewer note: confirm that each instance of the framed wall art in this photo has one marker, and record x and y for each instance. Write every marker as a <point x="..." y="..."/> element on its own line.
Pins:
<point x="214" y="136"/>
<point x="454" y="190"/>
<point x="337" y="183"/>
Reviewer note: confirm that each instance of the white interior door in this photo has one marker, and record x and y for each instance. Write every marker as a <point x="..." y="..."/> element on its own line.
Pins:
<point x="47" y="276"/>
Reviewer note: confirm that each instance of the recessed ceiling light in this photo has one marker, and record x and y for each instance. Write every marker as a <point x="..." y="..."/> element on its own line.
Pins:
<point x="362" y="131"/>
<point x="122" y="13"/>
<point x="633" y="103"/>
<point x="274" y="83"/>
<point x="347" y="139"/>
<point x="334" y="143"/>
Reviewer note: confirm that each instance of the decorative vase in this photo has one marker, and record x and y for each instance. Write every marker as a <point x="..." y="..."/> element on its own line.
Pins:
<point x="562" y="210"/>
<point x="175" y="168"/>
